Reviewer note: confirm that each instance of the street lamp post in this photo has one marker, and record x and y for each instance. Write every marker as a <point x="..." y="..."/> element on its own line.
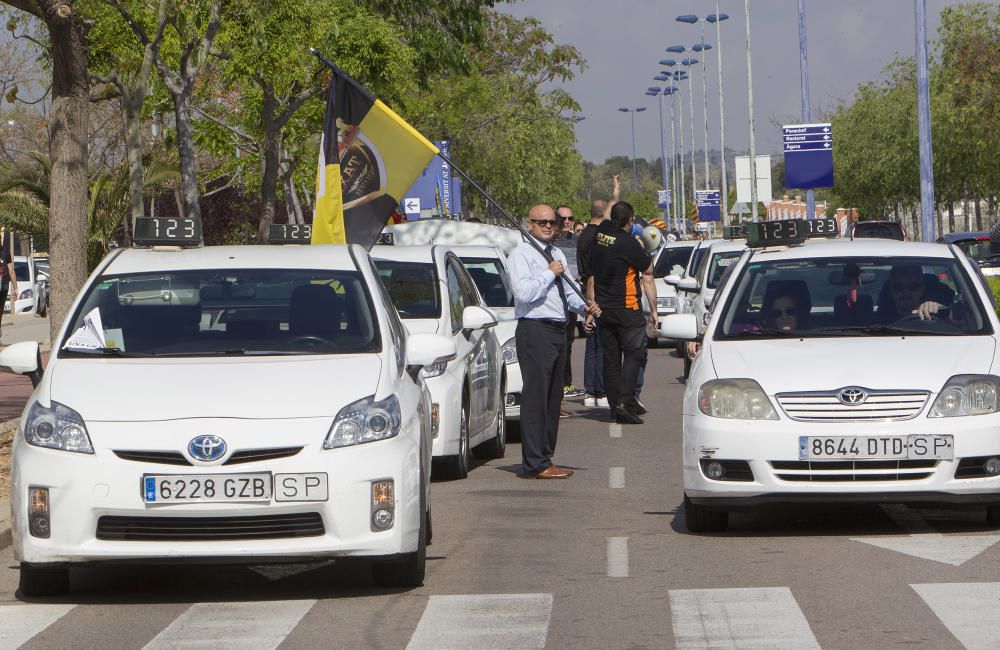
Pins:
<point x="718" y="18"/>
<point x="632" y="112"/>
<point x="679" y="199"/>
<point x="804" y="84"/>
<point x="694" y="184"/>
<point x="655" y="92"/>
<point x="924" y="124"/>
<point x="753" y="145"/>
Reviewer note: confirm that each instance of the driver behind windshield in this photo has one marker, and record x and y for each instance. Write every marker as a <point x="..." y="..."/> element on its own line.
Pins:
<point x="786" y="306"/>
<point x="908" y="291"/>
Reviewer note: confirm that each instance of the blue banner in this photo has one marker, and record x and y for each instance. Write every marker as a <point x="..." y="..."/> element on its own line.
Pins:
<point x="808" y="155"/>
<point x="709" y="205"/>
<point x="434" y="182"/>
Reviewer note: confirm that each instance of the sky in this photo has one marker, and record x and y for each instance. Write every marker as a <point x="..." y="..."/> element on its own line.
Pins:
<point x="849" y="43"/>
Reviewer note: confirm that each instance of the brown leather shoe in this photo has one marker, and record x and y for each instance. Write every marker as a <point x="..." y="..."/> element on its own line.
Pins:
<point x="554" y="472"/>
<point x="564" y="414"/>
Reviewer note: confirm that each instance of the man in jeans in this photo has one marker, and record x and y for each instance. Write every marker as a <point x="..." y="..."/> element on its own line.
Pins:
<point x="566" y="242"/>
<point x="593" y="357"/>
<point x="8" y="280"/>
<point x="621" y="268"/>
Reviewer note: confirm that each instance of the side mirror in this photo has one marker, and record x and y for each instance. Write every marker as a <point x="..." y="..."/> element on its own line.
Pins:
<point x="679" y="327"/>
<point x="23" y="358"/>
<point x="428" y="349"/>
<point x="688" y="284"/>
<point x="477" y="318"/>
<point x="709" y="297"/>
<point x="672" y="279"/>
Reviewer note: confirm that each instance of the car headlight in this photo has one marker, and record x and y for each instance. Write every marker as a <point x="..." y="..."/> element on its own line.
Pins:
<point x="27" y="293"/>
<point x="57" y="427"/>
<point x="434" y="370"/>
<point x="742" y="399"/>
<point x="666" y="302"/>
<point x="967" y="395"/>
<point x="364" y="421"/>
<point x="509" y="351"/>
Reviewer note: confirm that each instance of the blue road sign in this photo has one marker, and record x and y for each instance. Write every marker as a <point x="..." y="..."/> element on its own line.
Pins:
<point x="663" y="199"/>
<point x="808" y="155"/>
<point x="709" y="205"/>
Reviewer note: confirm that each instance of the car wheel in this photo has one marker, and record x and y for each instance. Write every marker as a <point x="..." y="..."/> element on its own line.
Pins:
<point x="43" y="307"/>
<point x="407" y="571"/>
<point x="496" y="447"/>
<point x="40" y="581"/>
<point x="700" y="519"/>
<point x="457" y="466"/>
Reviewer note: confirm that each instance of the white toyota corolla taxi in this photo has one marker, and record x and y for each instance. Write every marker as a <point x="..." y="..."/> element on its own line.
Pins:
<point x="838" y="371"/>
<point x="244" y="404"/>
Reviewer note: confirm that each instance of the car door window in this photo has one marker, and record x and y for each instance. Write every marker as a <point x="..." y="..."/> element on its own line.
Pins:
<point x="396" y="329"/>
<point x="456" y="296"/>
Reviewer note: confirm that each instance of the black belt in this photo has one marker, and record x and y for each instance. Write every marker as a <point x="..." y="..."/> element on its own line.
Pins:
<point x="547" y="321"/>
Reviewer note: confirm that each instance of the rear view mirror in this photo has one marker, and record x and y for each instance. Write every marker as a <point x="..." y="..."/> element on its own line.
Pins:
<point x="672" y="279"/>
<point x="679" y="327"/>
<point x="23" y="358"/>
<point x="688" y="284"/>
<point x="427" y="349"/>
<point x="477" y="318"/>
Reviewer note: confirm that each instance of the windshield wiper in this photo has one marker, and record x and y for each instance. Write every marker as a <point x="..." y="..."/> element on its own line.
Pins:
<point x="880" y="329"/>
<point x="763" y="331"/>
<point x="228" y="352"/>
<point x="107" y="352"/>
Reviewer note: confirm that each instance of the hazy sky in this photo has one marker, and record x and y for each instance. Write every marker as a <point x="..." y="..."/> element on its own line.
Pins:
<point x="850" y="42"/>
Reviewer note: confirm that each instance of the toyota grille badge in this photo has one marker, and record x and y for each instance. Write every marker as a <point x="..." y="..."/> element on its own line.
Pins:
<point x="852" y="395"/>
<point x="207" y="448"/>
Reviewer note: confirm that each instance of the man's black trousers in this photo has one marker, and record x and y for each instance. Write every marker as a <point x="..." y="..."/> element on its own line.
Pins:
<point x="541" y="352"/>
<point x="622" y="333"/>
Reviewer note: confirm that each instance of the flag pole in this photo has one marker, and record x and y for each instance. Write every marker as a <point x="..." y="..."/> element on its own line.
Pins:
<point x="513" y="222"/>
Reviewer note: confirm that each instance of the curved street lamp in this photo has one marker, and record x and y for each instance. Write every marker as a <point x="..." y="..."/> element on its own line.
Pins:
<point x="632" y="112"/>
<point x="688" y="63"/>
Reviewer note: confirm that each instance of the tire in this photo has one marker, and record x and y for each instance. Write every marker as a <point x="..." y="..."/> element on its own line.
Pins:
<point x="408" y="570"/>
<point x="699" y="519"/>
<point x="43" y="307"/>
<point x="496" y="447"/>
<point x="457" y="466"/>
<point x="41" y="581"/>
<point x="993" y="515"/>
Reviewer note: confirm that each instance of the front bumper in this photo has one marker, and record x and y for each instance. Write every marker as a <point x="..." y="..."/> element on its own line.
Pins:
<point x="770" y="448"/>
<point x="84" y="487"/>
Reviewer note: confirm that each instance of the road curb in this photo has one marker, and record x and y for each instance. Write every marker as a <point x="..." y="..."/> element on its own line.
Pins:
<point x="6" y="537"/>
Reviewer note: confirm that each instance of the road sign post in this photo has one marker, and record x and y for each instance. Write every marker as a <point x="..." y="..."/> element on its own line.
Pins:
<point x="709" y="205"/>
<point x="663" y="199"/>
<point x="808" y="155"/>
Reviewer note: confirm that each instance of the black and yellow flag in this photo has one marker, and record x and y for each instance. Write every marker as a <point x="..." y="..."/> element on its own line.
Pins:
<point x="369" y="157"/>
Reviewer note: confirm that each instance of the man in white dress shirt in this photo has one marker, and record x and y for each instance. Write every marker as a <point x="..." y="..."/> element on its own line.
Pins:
<point x="541" y="300"/>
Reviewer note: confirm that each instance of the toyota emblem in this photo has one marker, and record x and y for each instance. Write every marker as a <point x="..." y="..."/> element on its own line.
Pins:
<point x="852" y="395"/>
<point x="207" y="448"/>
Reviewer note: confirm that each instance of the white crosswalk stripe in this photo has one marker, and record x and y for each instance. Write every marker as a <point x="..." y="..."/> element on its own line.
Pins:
<point x="18" y="623"/>
<point x="967" y="609"/>
<point x="249" y="625"/>
<point x="511" y="621"/>
<point x="739" y="619"/>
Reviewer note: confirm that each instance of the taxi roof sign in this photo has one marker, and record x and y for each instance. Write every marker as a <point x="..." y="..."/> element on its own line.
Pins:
<point x="289" y="233"/>
<point x="787" y="232"/>
<point x="167" y="231"/>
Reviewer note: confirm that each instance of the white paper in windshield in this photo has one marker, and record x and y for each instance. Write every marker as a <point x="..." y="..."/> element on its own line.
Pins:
<point x="90" y="336"/>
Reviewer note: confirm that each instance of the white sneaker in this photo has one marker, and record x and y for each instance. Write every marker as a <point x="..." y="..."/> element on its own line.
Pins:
<point x="590" y="400"/>
<point x="602" y="402"/>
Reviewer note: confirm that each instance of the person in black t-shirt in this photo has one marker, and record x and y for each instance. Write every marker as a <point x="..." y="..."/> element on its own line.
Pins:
<point x="7" y="278"/>
<point x="620" y="269"/>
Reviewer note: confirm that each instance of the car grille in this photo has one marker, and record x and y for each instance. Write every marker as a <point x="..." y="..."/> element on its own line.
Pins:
<point x="852" y="470"/>
<point x="884" y="405"/>
<point x="177" y="458"/>
<point x="195" y="529"/>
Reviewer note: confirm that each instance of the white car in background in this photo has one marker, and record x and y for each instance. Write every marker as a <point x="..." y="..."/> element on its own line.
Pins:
<point x="243" y="404"/>
<point x="487" y="265"/>
<point x="434" y="293"/>
<point x="32" y="288"/>
<point x="670" y="259"/>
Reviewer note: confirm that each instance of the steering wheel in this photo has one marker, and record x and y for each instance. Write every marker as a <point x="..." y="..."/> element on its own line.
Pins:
<point x="932" y="324"/>
<point x="310" y="341"/>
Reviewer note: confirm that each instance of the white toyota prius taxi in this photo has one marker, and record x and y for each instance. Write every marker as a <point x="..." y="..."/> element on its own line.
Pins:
<point x="245" y="404"/>
<point x="839" y="371"/>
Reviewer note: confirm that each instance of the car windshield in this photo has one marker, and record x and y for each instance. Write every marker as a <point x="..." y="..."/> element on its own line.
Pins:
<point x="979" y="250"/>
<point x="852" y="297"/>
<point x="694" y="266"/>
<point x="672" y="261"/>
<point x="412" y="286"/>
<point x="721" y="262"/>
<point x="21" y="271"/>
<point x="878" y="231"/>
<point x="491" y="279"/>
<point x="235" y="312"/>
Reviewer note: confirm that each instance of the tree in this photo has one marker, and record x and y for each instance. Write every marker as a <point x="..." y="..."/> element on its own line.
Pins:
<point x="68" y="125"/>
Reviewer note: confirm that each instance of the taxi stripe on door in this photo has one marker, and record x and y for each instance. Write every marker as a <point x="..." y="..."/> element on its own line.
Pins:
<point x="512" y="621"/>
<point x="249" y="625"/>
<point x="739" y="618"/>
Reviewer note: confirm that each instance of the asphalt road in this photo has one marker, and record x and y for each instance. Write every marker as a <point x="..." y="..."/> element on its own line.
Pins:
<point x="601" y="560"/>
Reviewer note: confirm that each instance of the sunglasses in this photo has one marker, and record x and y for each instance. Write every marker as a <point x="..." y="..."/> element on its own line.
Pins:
<point x="551" y="223"/>
<point x="787" y="311"/>
<point x="569" y="218"/>
<point x="907" y="286"/>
